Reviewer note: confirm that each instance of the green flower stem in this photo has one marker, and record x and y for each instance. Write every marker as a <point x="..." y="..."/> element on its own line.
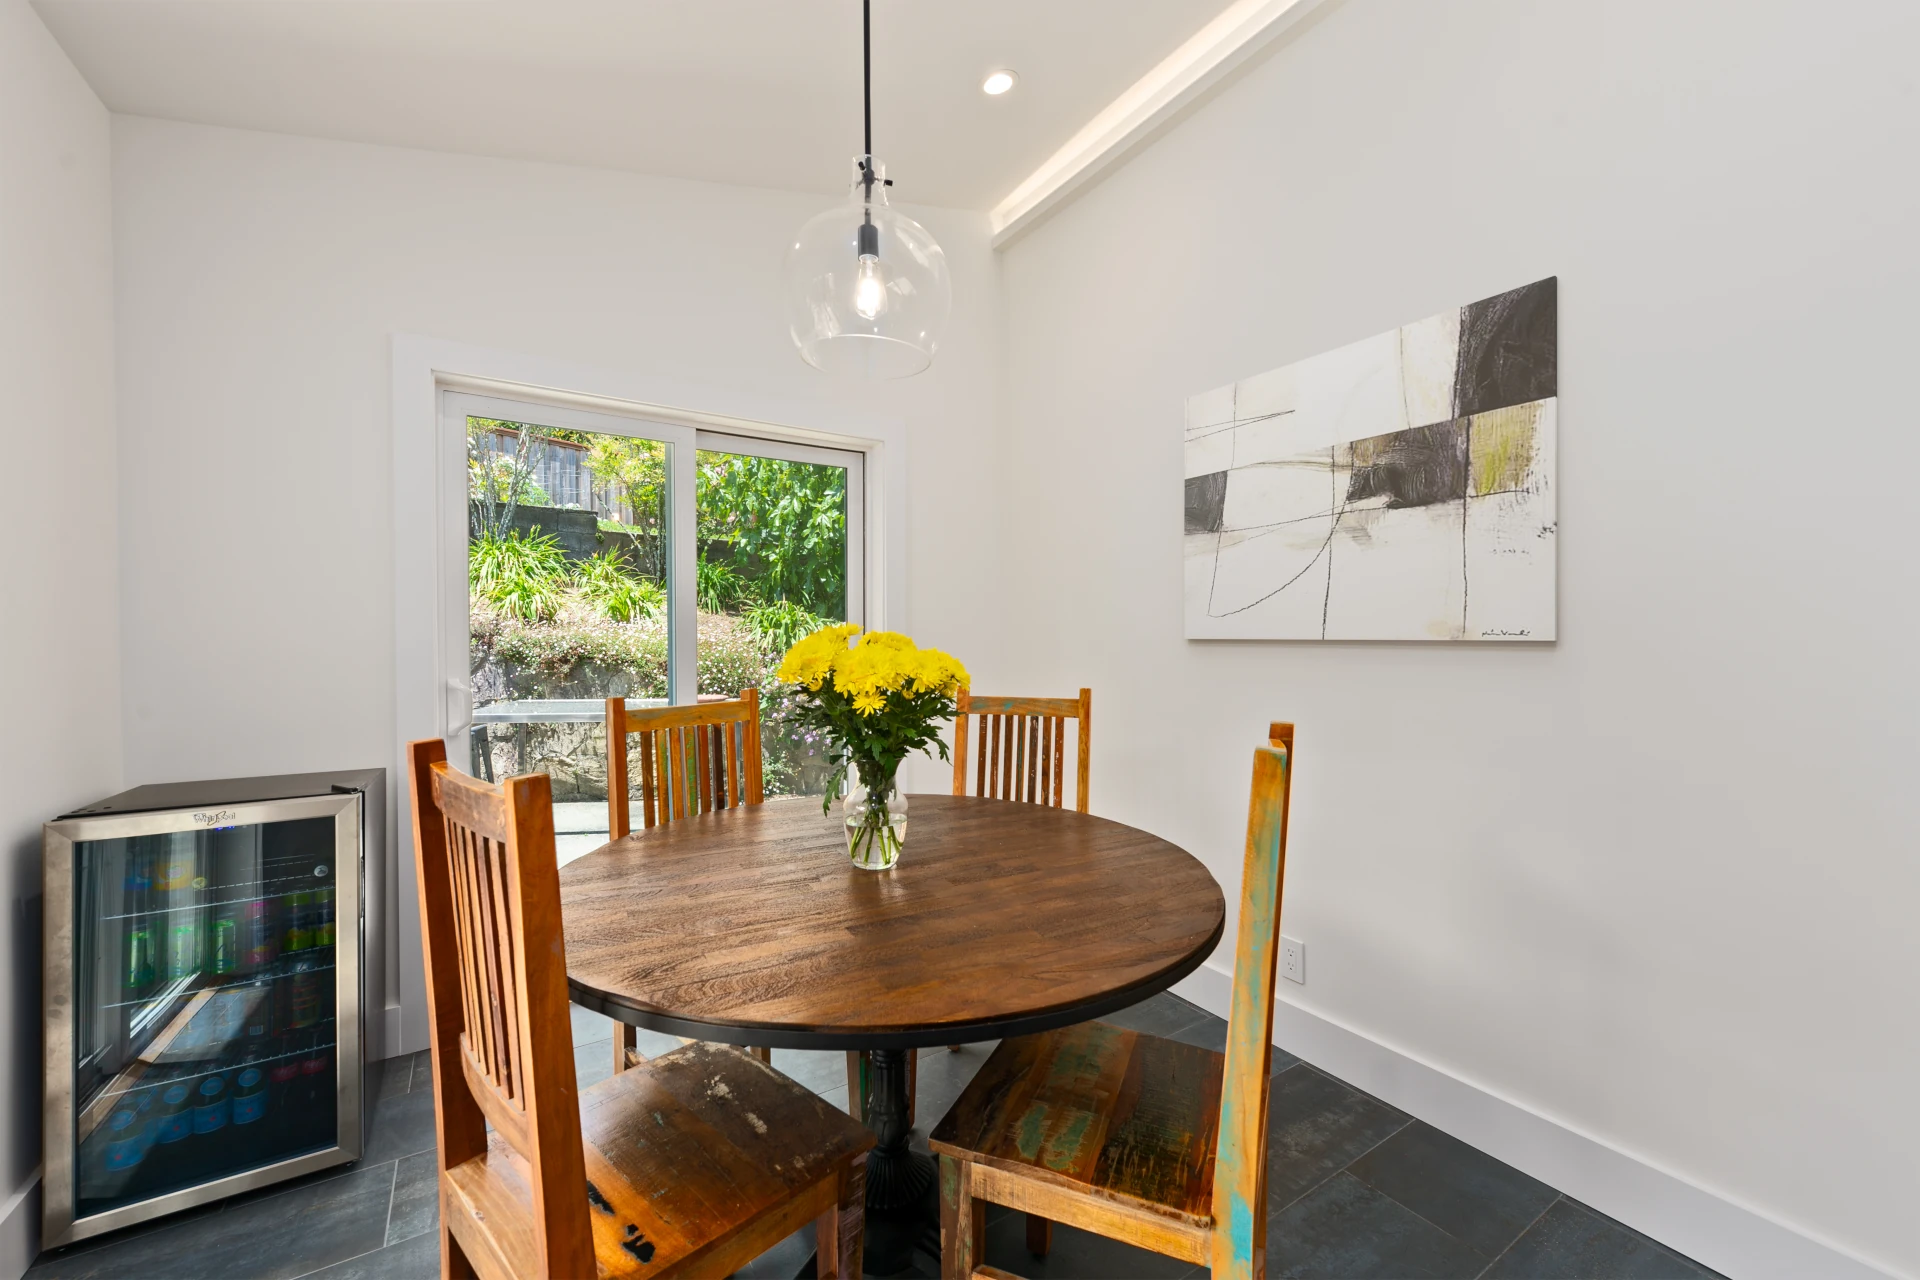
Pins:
<point x="874" y="843"/>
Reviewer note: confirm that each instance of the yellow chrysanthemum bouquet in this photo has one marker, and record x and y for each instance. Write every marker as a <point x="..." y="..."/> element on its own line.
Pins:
<point x="875" y="697"/>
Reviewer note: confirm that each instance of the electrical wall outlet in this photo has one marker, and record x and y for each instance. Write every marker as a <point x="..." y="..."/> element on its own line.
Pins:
<point x="1293" y="959"/>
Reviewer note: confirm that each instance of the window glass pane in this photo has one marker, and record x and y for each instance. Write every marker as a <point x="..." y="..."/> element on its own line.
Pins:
<point x="772" y="567"/>
<point x="568" y="547"/>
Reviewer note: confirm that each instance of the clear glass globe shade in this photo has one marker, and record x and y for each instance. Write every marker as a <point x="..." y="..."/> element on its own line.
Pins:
<point x="880" y="315"/>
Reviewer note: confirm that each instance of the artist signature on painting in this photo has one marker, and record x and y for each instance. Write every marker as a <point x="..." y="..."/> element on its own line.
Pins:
<point x="1498" y="632"/>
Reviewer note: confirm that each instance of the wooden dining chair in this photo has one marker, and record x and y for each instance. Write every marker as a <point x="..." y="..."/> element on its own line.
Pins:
<point x="692" y="760"/>
<point x="691" y="1165"/>
<point x="1150" y="1141"/>
<point x="1022" y="747"/>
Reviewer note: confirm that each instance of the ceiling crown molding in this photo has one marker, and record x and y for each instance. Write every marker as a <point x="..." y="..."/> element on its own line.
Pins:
<point x="1215" y="52"/>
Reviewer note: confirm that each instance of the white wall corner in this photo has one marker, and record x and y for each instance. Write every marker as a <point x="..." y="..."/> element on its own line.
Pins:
<point x="1729" y="1237"/>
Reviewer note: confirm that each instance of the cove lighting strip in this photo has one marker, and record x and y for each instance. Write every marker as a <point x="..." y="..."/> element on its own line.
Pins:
<point x="1217" y="50"/>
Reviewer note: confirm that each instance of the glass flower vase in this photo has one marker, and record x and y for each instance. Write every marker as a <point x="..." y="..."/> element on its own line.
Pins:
<point x="876" y="818"/>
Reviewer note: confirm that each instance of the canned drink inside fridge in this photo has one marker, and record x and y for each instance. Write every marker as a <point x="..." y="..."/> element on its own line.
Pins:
<point x="210" y="1104"/>
<point x="249" y="1095"/>
<point x="126" y="1137"/>
<point x="306" y="995"/>
<point x="139" y="956"/>
<point x="299" y="911"/>
<point x="176" y="1116"/>
<point x="225" y="957"/>
<point x="323" y="917"/>
<point x="260" y="944"/>
<point x="183" y="949"/>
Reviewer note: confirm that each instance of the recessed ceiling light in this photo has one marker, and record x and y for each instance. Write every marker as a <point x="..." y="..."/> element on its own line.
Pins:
<point x="997" y="83"/>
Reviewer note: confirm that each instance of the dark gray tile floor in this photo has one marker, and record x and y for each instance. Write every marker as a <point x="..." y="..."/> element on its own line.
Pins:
<point x="1356" y="1189"/>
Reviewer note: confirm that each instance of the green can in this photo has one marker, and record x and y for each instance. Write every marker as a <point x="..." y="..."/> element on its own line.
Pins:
<point x="225" y="957"/>
<point x="139" y="957"/>
<point x="183" y="949"/>
<point x="323" y="917"/>
<point x="299" y="914"/>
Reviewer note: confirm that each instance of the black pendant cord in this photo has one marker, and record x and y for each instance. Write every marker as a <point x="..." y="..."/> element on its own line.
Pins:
<point x="866" y="75"/>
<point x="868" y="176"/>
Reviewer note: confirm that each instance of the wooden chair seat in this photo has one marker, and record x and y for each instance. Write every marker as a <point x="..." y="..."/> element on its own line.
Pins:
<point x="1125" y="1122"/>
<point x="684" y="1153"/>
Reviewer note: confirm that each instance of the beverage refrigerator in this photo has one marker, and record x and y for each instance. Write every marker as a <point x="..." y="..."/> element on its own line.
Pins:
<point x="205" y="982"/>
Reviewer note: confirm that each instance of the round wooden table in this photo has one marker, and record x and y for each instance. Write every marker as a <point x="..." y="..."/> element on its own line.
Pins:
<point x="750" y="926"/>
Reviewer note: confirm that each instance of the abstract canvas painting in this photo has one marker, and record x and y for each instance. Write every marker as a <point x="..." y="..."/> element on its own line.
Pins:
<point x="1400" y="488"/>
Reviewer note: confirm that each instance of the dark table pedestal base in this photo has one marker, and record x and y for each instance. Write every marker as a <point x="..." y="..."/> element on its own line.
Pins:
<point x="897" y="1175"/>
<point x="903" y="1205"/>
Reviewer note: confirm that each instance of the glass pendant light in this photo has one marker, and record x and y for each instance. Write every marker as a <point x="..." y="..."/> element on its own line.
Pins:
<point x="867" y="286"/>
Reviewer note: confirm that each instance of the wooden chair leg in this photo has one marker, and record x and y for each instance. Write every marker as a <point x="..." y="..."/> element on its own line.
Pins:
<point x="839" y="1231"/>
<point x="453" y="1260"/>
<point x="857" y="1085"/>
<point x="963" y="1221"/>
<point x="626" y="1047"/>
<point x="1039" y="1235"/>
<point x="760" y="1054"/>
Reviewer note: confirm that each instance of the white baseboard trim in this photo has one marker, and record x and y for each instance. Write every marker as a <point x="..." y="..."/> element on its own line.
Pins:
<point x="1729" y="1237"/>
<point x="20" y="1228"/>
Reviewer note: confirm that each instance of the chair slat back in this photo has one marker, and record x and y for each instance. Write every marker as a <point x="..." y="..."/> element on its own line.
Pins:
<point x="690" y="760"/>
<point x="497" y="989"/>
<point x="1240" y="1161"/>
<point x="1021" y="748"/>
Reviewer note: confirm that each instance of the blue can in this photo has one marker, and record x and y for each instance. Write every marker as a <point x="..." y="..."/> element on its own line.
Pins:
<point x="126" y="1139"/>
<point x="249" y="1096"/>
<point x="176" y="1120"/>
<point x="210" y="1112"/>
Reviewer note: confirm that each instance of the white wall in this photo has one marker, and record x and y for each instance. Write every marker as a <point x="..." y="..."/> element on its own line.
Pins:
<point x="260" y="278"/>
<point x="1656" y="881"/>
<point x="59" y="586"/>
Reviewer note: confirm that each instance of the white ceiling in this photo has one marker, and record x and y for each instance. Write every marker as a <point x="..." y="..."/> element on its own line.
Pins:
<point x="756" y="92"/>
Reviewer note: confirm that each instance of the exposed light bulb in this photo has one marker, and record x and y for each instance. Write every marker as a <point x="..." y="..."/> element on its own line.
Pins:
<point x="997" y="83"/>
<point x="869" y="288"/>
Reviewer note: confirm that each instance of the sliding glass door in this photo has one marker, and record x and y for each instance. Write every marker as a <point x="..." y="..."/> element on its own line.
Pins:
<point x="616" y="556"/>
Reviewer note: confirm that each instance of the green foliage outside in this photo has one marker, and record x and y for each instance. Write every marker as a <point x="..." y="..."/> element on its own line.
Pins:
<point x="527" y="576"/>
<point x="718" y="586"/>
<point x="781" y="625"/>
<point x="520" y="576"/>
<point x="607" y="582"/>
<point x="784" y="526"/>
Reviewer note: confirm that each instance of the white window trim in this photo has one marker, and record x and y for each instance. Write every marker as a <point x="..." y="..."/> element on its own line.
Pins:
<point x="425" y="515"/>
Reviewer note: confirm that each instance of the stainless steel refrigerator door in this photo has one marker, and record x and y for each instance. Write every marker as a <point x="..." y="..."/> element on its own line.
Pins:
<point x="58" y="1223"/>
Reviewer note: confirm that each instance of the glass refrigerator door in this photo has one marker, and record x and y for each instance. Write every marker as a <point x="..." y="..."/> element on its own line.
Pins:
<point x="204" y="1006"/>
